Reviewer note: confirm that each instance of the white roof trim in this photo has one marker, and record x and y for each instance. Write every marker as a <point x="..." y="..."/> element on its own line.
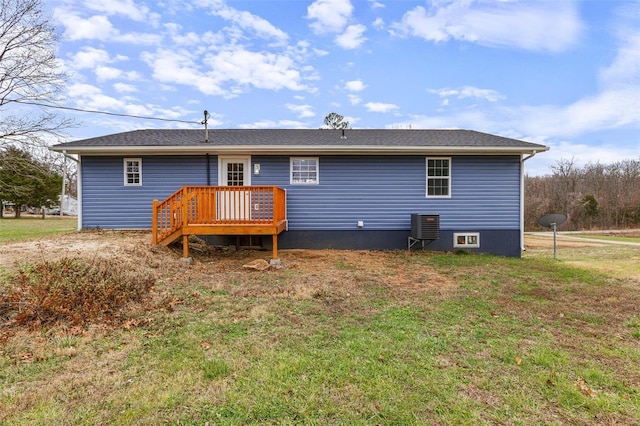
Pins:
<point x="297" y="149"/>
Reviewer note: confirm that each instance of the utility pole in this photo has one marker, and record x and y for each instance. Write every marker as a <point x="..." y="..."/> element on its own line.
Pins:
<point x="206" y="129"/>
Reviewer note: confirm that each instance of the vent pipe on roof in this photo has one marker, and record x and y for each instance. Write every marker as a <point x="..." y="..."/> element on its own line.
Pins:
<point x="343" y="135"/>
<point x="206" y="129"/>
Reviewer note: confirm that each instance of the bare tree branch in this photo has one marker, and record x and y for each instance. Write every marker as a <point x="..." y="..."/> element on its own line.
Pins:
<point x="29" y="71"/>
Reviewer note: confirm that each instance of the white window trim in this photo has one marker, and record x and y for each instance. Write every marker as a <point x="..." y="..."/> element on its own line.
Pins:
<point x="426" y="173"/>
<point x="317" y="160"/>
<point x="466" y="236"/>
<point x="124" y="167"/>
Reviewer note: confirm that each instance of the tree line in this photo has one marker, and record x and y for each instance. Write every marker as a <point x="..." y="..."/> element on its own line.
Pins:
<point x="595" y="196"/>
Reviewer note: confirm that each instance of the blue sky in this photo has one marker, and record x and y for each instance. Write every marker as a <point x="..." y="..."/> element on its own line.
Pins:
<point x="562" y="73"/>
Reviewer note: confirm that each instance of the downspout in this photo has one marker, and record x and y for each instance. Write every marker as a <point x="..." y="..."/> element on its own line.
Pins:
<point x="208" y="170"/>
<point x="79" y="189"/>
<point x="64" y="178"/>
<point x="522" y="248"/>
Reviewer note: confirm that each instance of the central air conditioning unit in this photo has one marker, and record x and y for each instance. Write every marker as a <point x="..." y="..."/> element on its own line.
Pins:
<point x="424" y="227"/>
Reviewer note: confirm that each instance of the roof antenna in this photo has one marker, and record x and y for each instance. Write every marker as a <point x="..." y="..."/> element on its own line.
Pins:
<point x="206" y="129"/>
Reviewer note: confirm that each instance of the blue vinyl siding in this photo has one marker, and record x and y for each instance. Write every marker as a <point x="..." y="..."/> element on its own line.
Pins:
<point x="383" y="192"/>
<point x="107" y="203"/>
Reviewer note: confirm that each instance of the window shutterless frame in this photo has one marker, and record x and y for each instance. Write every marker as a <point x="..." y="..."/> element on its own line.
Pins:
<point x="132" y="171"/>
<point x="438" y="177"/>
<point x="466" y="239"/>
<point x="304" y="170"/>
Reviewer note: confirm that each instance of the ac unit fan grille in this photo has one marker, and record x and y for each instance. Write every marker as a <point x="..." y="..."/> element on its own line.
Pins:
<point x="425" y="226"/>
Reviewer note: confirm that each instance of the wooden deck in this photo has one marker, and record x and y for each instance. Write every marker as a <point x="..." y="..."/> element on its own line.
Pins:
<point x="219" y="210"/>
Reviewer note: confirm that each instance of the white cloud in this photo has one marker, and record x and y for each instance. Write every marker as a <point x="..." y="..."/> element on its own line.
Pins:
<point x="246" y="20"/>
<point x="320" y="53"/>
<point x="538" y="26"/>
<point x="270" y="124"/>
<point x="188" y="39"/>
<point x="352" y="37"/>
<point x="607" y="110"/>
<point x="80" y="90"/>
<point x="469" y="92"/>
<point x="98" y="27"/>
<point x="303" y="111"/>
<point x="617" y="105"/>
<point x="107" y="73"/>
<point x="138" y="38"/>
<point x="354" y="86"/>
<point x="334" y="16"/>
<point x="380" y="107"/>
<point x="614" y="107"/>
<point x="625" y="69"/>
<point x="376" y="4"/>
<point x="87" y="96"/>
<point x="89" y="57"/>
<point x="128" y="8"/>
<point x="580" y="153"/>
<point x="378" y="24"/>
<point x="77" y="28"/>
<point x="331" y="16"/>
<point x="125" y="88"/>
<point x="354" y="99"/>
<point x="227" y="73"/>
<point x="179" y="67"/>
<point x="261" y="70"/>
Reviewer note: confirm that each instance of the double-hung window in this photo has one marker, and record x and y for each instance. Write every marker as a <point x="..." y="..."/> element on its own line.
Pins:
<point x="133" y="172"/>
<point x="438" y="177"/>
<point x="304" y="171"/>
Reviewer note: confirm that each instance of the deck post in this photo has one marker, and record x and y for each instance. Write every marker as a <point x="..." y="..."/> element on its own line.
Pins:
<point x="185" y="246"/>
<point x="274" y="239"/>
<point x="154" y="224"/>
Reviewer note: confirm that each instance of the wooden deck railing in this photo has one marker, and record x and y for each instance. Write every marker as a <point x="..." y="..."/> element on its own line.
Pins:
<point x="223" y="210"/>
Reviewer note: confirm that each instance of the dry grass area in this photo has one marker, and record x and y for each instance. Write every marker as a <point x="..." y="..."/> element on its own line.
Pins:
<point x="335" y="337"/>
<point x="600" y="256"/>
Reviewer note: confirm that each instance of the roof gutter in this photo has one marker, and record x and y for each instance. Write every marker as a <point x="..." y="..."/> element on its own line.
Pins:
<point x="298" y="149"/>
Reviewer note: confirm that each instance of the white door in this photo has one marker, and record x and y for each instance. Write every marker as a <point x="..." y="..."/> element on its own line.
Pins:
<point x="234" y="204"/>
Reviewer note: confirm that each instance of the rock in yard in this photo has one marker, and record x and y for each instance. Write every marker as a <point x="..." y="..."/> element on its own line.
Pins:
<point x="258" y="265"/>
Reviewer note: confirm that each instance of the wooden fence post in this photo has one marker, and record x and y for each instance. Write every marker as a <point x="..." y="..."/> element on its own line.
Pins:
<point x="154" y="223"/>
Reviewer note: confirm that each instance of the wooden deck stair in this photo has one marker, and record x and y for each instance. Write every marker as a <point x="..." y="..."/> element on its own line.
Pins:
<point x="219" y="210"/>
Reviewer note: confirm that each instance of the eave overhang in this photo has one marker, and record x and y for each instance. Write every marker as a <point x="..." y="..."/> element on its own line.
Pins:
<point x="297" y="150"/>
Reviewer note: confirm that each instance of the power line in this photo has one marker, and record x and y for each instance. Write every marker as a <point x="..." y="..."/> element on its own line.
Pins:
<point x="107" y="113"/>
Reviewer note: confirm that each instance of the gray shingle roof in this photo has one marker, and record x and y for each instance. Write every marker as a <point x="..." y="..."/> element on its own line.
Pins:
<point x="319" y="138"/>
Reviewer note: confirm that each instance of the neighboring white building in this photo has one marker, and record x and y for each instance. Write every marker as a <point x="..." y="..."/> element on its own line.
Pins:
<point x="70" y="205"/>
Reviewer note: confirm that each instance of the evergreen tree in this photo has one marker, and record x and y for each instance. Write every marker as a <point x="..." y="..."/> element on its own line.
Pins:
<point x="26" y="181"/>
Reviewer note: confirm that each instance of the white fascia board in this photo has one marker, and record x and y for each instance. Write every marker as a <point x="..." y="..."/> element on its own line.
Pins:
<point x="298" y="149"/>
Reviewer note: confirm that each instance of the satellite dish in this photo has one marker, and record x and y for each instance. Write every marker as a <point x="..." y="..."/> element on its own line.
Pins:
<point x="552" y="221"/>
<point x="549" y="220"/>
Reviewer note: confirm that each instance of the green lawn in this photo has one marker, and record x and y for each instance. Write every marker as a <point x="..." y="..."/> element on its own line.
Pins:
<point x="361" y="338"/>
<point x="26" y="228"/>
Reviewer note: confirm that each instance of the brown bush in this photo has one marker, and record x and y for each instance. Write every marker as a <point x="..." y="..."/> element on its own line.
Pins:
<point x="71" y="291"/>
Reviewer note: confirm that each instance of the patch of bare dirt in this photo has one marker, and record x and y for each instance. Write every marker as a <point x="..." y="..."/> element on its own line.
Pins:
<point x="82" y="244"/>
<point x="534" y="242"/>
<point x="331" y="275"/>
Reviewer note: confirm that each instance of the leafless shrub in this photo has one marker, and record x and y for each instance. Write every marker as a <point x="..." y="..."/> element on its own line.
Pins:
<point x="71" y="291"/>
